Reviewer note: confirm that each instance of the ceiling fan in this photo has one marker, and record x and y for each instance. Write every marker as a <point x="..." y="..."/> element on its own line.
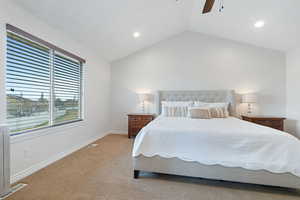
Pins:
<point x="209" y="5"/>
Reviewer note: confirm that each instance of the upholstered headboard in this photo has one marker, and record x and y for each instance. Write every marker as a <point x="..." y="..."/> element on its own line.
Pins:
<point x="199" y="95"/>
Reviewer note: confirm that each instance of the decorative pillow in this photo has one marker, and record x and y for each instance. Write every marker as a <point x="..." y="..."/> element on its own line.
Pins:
<point x="175" y="108"/>
<point x="199" y="113"/>
<point x="219" y="112"/>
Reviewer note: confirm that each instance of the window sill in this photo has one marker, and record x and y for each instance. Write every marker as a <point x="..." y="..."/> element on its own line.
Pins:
<point x="31" y="134"/>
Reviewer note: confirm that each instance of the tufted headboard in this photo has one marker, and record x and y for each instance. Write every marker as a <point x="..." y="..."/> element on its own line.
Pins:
<point x="208" y="96"/>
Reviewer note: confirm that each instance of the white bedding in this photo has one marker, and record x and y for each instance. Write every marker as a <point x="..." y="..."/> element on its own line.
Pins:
<point x="229" y="142"/>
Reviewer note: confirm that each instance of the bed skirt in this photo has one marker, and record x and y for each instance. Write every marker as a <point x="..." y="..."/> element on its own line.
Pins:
<point x="175" y="166"/>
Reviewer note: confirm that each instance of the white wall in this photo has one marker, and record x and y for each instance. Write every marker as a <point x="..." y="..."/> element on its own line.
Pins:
<point x="34" y="150"/>
<point x="193" y="61"/>
<point x="293" y="92"/>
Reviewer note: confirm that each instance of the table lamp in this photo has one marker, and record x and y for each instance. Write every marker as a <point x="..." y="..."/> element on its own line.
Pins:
<point x="144" y="97"/>
<point x="249" y="99"/>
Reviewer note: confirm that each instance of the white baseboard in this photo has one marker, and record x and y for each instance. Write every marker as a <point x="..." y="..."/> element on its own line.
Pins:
<point x="119" y="132"/>
<point x="20" y="175"/>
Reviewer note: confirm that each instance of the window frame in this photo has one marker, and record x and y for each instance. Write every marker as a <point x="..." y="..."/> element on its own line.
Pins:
<point x="53" y="49"/>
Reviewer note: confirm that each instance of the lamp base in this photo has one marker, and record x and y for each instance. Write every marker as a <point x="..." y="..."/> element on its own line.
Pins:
<point x="249" y="112"/>
<point x="143" y="107"/>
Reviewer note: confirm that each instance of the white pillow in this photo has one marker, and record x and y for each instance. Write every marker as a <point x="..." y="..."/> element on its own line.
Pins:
<point x="211" y="105"/>
<point x="199" y="104"/>
<point x="175" y="108"/>
<point x="219" y="105"/>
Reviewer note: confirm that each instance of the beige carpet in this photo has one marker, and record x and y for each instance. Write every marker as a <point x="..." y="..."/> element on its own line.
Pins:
<point x="105" y="173"/>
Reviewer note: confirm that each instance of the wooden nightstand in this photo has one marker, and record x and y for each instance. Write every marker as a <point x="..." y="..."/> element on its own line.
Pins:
<point x="272" y="122"/>
<point x="136" y="122"/>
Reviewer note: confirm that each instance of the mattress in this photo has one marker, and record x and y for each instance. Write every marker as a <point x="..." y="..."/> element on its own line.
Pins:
<point x="228" y="142"/>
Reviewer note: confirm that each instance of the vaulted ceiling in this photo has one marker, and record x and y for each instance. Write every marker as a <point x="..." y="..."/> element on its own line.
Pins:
<point x="107" y="25"/>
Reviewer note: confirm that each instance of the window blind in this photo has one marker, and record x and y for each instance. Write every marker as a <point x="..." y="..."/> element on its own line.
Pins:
<point x="43" y="86"/>
<point x="67" y="89"/>
<point x="27" y="84"/>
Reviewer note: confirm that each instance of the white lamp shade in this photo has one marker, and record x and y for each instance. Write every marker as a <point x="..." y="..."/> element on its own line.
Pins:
<point x="249" y="98"/>
<point x="144" y="97"/>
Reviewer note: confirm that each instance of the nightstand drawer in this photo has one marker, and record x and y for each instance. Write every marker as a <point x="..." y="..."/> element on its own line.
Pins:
<point x="268" y="122"/>
<point x="140" y="118"/>
<point x="136" y="122"/>
<point x="134" y="118"/>
<point x="272" y="122"/>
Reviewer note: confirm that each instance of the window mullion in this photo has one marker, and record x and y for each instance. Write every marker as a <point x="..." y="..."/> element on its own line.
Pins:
<point x="52" y="95"/>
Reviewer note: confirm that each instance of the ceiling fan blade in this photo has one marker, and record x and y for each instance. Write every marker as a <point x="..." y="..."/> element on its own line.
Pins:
<point x="208" y="6"/>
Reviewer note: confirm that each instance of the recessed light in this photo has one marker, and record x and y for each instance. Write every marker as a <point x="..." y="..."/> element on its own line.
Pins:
<point x="259" y="24"/>
<point x="136" y="34"/>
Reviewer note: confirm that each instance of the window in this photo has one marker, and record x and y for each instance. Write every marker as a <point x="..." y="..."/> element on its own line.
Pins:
<point x="43" y="83"/>
<point x="66" y="89"/>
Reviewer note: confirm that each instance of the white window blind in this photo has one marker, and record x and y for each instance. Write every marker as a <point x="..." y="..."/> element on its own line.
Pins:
<point x="67" y="89"/>
<point x="43" y="86"/>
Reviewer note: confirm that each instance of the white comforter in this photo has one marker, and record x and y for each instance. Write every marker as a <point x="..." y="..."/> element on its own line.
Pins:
<point x="230" y="142"/>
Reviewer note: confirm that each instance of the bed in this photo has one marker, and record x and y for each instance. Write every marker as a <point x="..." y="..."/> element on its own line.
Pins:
<point x="222" y="149"/>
